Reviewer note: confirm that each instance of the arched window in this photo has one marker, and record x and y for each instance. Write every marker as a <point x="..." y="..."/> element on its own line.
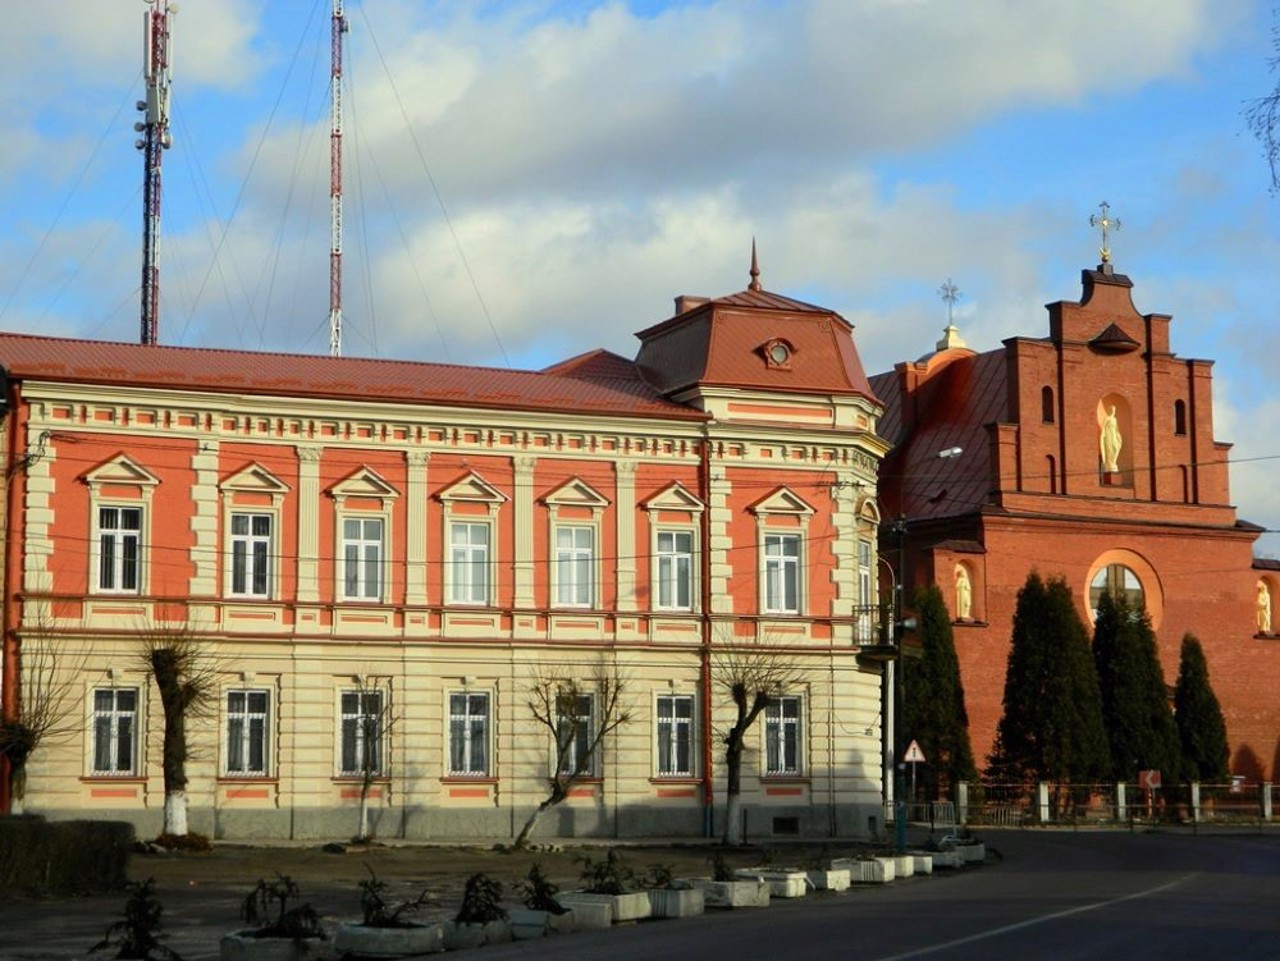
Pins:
<point x="1179" y="416"/>
<point x="1046" y="404"/>
<point x="1118" y="581"/>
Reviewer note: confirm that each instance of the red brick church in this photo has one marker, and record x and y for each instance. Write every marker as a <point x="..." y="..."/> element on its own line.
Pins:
<point x="1088" y="454"/>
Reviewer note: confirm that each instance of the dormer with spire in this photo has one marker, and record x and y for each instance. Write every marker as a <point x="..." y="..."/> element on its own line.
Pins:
<point x="757" y="355"/>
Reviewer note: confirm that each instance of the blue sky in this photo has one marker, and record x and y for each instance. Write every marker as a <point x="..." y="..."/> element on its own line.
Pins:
<point x="526" y="181"/>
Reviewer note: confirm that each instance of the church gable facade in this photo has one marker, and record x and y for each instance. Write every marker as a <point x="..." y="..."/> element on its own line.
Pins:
<point x="1087" y="454"/>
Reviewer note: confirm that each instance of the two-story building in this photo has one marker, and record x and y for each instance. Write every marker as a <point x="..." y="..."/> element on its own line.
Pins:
<point x="346" y="535"/>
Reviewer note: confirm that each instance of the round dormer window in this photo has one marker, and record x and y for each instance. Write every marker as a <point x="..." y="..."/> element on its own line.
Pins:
<point x="779" y="353"/>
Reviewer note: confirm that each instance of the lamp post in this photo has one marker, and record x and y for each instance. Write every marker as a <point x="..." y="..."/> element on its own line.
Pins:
<point x="898" y="527"/>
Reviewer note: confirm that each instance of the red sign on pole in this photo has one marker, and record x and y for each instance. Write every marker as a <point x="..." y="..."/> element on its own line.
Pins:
<point x="1149" y="780"/>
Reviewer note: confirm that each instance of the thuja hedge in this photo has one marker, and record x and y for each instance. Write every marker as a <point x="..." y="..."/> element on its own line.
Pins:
<point x="63" y="857"/>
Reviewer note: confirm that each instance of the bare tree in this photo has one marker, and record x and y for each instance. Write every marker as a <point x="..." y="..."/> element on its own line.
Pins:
<point x="1263" y="117"/>
<point x="368" y="718"/>
<point x="579" y="717"/>
<point x="754" y="674"/>
<point x="185" y="674"/>
<point x="46" y="710"/>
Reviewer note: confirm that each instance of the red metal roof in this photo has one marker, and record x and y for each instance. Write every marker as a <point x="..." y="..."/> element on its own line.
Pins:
<point x="612" y="388"/>
<point x="950" y="408"/>
<point x="720" y="342"/>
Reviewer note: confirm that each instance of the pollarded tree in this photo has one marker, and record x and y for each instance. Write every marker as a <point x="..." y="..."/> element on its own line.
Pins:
<point x="579" y="716"/>
<point x="1263" y="118"/>
<point x="1051" y="728"/>
<point x="1135" y="701"/>
<point x="933" y="711"/>
<point x="1201" y="729"/>
<point x="755" y="674"/>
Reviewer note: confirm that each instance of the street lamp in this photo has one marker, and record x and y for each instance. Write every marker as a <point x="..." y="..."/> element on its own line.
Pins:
<point x="890" y="707"/>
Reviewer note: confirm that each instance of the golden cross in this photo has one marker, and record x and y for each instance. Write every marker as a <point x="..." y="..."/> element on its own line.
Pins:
<point x="1105" y="222"/>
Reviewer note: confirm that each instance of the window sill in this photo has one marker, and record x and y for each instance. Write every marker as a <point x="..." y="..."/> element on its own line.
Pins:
<point x="468" y="779"/>
<point x="592" y="779"/>
<point x="670" y="779"/>
<point x="359" y="779"/>
<point x="248" y="779"/>
<point x="107" y="778"/>
<point x="785" y="779"/>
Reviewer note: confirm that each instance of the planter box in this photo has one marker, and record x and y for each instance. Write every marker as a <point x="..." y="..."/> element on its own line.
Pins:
<point x="904" y="865"/>
<point x="972" y="853"/>
<point x="363" y="942"/>
<point x="241" y="946"/>
<point x="873" y="871"/>
<point x="527" y="924"/>
<point x="632" y="906"/>
<point x="733" y="894"/>
<point x="782" y="883"/>
<point x="675" y="902"/>
<point x="946" y="860"/>
<point x="833" y="879"/>
<point x="458" y="936"/>
<point x="923" y="862"/>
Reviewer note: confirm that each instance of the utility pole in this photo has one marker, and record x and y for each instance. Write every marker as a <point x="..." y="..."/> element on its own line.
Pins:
<point x="339" y="26"/>
<point x="155" y="139"/>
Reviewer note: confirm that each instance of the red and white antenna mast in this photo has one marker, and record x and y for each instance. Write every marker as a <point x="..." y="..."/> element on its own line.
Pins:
<point x="154" y="141"/>
<point x="339" y="27"/>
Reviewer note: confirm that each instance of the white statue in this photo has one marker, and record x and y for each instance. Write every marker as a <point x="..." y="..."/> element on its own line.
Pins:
<point x="1110" y="441"/>
<point x="964" y="593"/>
<point x="1264" y="608"/>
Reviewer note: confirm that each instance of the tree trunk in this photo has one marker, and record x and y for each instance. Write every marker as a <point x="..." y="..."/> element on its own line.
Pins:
<point x="733" y="788"/>
<point x="363" y="834"/>
<point x="175" y="812"/>
<point x="523" y="837"/>
<point x="17" y="786"/>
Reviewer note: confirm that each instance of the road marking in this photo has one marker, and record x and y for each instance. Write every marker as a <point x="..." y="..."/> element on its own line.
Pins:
<point x="1032" y="922"/>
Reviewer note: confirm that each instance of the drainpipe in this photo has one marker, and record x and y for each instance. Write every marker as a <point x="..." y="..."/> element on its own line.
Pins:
<point x="12" y="567"/>
<point x="704" y="492"/>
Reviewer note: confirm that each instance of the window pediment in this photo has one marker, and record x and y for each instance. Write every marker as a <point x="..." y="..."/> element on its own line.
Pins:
<point x="576" y="492"/>
<point x="869" y="510"/>
<point x="674" y="497"/>
<point x="256" y="479"/>
<point x="782" y="501"/>
<point x="365" y="482"/>
<point x="474" y="488"/>
<point x="120" y="470"/>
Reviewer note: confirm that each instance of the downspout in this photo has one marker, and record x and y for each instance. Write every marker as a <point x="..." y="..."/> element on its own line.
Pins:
<point x="12" y="566"/>
<point x="704" y="492"/>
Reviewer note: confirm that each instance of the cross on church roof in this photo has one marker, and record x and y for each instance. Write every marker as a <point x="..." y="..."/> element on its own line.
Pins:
<point x="1105" y="223"/>
<point x="951" y="294"/>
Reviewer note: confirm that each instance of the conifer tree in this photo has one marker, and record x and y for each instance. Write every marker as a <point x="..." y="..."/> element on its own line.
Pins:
<point x="1201" y="729"/>
<point x="933" y="711"/>
<point x="1135" y="702"/>
<point x="1052" y="723"/>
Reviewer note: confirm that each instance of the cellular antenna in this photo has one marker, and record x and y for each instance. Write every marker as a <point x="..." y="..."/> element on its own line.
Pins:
<point x="339" y="27"/>
<point x="155" y="139"/>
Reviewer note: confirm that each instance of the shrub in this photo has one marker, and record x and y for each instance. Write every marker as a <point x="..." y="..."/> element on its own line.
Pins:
<point x="378" y="911"/>
<point x="267" y="907"/>
<point x="481" y="901"/>
<point x="64" y="857"/>
<point x="137" y="934"/>
<point x="538" y="892"/>
<point x="610" y="875"/>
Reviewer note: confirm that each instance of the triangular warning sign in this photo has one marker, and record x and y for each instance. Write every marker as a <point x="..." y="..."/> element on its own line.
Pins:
<point x="914" y="755"/>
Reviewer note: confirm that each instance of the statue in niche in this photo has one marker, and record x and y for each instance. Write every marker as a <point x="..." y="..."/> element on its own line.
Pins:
<point x="1110" y="441"/>
<point x="964" y="594"/>
<point x="1264" y="608"/>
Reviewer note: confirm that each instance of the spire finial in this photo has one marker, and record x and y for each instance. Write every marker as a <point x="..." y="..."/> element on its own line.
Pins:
<point x="950" y="293"/>
<point x="755" y="269"/>
<point x="1105" y="222"/>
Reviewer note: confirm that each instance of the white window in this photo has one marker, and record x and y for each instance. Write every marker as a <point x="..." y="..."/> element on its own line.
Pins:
<point x="866" y="596"/>
<point x="468" y="734"/>
<point x="575" y="732"/>
<point x="782" y="736"/>
<point x="575" y="566"/>
<point x="675" y="735"/>
<point x="251" y="555"/>
<point x="362" y="558"/>
<point x="115" y="730"/>
<point x="363" y="721"/>
<point x="119" y="548"/>
<point x="675" y="570"/>
<point x="782" y="573"/>
<point x="469" y="562"/>
<point x="247" y="725"/>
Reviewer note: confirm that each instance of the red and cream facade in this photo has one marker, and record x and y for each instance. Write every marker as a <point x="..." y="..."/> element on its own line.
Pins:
<point x="1087" y="454"/>
<point x="343" y="535"/>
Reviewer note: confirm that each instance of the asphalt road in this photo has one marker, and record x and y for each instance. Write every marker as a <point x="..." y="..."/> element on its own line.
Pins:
<point x="1049" y="895"/>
